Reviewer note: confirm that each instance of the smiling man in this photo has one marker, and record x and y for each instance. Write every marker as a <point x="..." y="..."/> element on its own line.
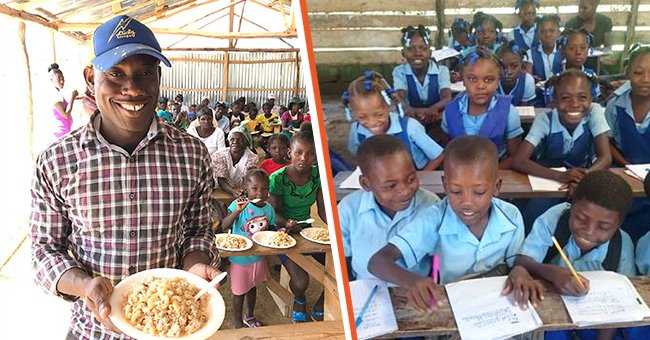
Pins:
<point x="122" y="194"/>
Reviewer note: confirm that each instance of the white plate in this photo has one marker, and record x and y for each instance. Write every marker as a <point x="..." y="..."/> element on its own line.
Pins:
<point x="262" y="238"/>
<point x="254" y="132"/>
<point x="307" y="232"/>
<point x="266" y="134"/>
<point x="216" y="308"/>
<point x="249" y="243"/>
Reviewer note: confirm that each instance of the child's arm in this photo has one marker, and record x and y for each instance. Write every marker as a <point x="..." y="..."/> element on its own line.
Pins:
<point x="280" y="220"/>
<point x="603" y="154"/>
<point x="434" y="112"/>
<point x="511" y="149"/>
<point x="420" y="289"/>
<point x="434" y="164"/>
<point x="563" y="281"/>
<point x="320" y="204"/>
<point x="523" y="287"/>
<point x="240" y="204"/>
<point x="617" y="156"/>
<point x="523" y="163"/>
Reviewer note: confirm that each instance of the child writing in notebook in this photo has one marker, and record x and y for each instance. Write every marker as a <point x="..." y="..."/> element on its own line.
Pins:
<point x="388" y="202"/>
<point x="524" y="34"/>
<point x="515" y="82"/>
<point x="480" y="111"/>
<point x="588" y="230"/>
<point x="369" y="99"/>
<point x="546" y="59"/>
<point x="294" y="189"/>
<point x="470" y="229"/>
<point x="422" y="85"/>
<point x="246" y="272"/>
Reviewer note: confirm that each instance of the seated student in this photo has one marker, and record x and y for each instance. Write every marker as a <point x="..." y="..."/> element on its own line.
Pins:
<point x="389" y="201"/>
<point x="191" y="114"/>
<point x="480" y="111"/>
<point x="279" y="151"/>
<point x="294" y="189"/>
<point x="230" y="164"/>
<point x="515" y="82"/>
<point x="470" y="229"/>
<point x="628" y="115"/>
<point x="643" y="246"/>
<point x="246" y="272"/>
<point x="213" y="138"/>
<point x="293" y="117"/>
<point x="524" y="34"/>
<point x="179" y="117"/>
<point x="369" y="101"/>
<point x="267" y="124"/>
<point x="163" y="114"/>
<point x="223" y="122"/>
<point x="487" y="31"/>
<point x="574" y="46"/>
<point x="421" y="84"/>
<point x="546" y="59"/>
<point x="588" y="229"/>
<point x="459" y="35"/>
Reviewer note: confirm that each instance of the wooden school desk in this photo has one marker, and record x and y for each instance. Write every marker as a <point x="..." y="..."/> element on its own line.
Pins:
<point x="514" y="184"/>
<point x="323" y="274"/>
<point x="325" y="330"/>
<point x="551" y="310"/>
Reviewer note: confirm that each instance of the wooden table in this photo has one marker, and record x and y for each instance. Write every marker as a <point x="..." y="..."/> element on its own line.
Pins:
<point x="220" y="195"/>
<point x="308" y="330"/>
<point x="514" y="184"/>
<point x="551" y="310"/>
<point x="323" y="274"/>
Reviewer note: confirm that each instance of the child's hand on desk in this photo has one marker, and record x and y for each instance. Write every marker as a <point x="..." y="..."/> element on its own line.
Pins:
<point x="523" y="287"/>
<point x="566" y="284"/>
<point x="420" y="293"/>
<point x="572" y="175"/>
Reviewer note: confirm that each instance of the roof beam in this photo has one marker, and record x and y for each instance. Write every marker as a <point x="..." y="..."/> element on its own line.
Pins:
<point x="266" y="6"/>
<point x="191" y="4"/>
<point x="231" y="23"/>
<point x="24" y="16"/>
<point x="29" y="4"/>
<point x="65" y="27"/>
<point x="129" y="10"/>
<point x="213" y="13"/>
<point x="75" y="11"/>
<point x="241" y="17"/>
<point x="163" y="13"/>
<point x="264" y="28"/>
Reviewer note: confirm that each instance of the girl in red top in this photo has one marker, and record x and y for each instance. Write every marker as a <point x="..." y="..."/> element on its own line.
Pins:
<point x="279" y="150"/>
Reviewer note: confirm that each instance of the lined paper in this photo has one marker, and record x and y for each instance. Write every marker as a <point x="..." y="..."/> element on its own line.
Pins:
<point x="379" y="317"/>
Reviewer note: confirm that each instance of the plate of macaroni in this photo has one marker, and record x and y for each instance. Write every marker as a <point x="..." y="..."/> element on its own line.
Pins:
<point x="318" y="235"/>
<point x="274" y="239"/>
<point x="159" y="304"/>
<point x="232" y="242"/>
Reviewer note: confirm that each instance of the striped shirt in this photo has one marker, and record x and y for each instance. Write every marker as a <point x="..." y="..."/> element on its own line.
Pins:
<point x="112" y="214"/>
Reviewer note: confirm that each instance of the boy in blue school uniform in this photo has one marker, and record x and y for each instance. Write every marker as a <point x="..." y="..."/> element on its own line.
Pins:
<point x="389" y="201"/>
<point x="589" y="231"/>
<point x="423" y="86"/>
<point x="470" y="229"/>
<point x="480" y="111"/>
<point x="628" y="115"/>
<point x="369" y="100"/>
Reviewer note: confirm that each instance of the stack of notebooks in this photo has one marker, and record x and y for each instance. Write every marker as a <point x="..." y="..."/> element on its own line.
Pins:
<point x="481" y="312"/>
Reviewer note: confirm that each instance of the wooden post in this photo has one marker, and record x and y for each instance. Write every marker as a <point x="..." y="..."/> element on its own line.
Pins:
<point x="28" y="91"/>
<point x="232" y="19"/>
<point x="295" y="90"/>
<point x="241" y="18"/>
<point x="632" y="18"/>
<point x="224" y="89"/>
<point x="440" y="16"/>
<point x="53" y="48"/>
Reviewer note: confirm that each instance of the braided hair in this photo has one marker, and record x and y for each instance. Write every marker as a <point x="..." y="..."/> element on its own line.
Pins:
<point x="484" y="53"/>
<point x="409" y="31"/>
<point x="369" y="83"/>
<point x="635" y="52"/>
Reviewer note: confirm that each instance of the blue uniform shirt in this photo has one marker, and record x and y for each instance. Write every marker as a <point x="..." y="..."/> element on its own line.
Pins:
<point x="423" y="148"/>
<point x="624" y="101"/>
<point x="251" y="220"/>
<point x="461" y="253"/>
<point x="643" y="254"/>
<point x="401" y="71"/>
<point x="547" y="59"/>
<point x="541" y="127"/>
<point x="530" y="37"/>
<point x="473" y="124"/>
<point x="365" y="228"/>
<point x="539" y="241"/>
<point x="529" y="94"/>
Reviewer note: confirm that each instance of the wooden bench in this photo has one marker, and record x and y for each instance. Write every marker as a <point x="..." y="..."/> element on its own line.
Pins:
<point x="308" y="330"/>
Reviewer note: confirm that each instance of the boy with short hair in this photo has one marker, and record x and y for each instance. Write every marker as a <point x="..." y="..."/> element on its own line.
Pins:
<point x="470" y="229"/>
<point x="589" y="230"/>
<point x="390" y="200"/>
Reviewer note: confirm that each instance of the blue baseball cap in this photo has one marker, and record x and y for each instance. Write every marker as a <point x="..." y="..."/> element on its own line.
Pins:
<point x="121" y="37"/>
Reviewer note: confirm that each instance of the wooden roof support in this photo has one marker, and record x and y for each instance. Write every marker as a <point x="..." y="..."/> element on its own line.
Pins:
<point x="24" y="16"/>
<point x="260" y="26"/>
<point x="76" y="11"/>
<point x="241" y="18"/>
<point x="198" y="28"/>
<point x="231" y="23"/>
<point x="269" y="6"/>
<point x="129" y="10"/>
<point x="168" y="13"/>
<point x="117" y="7"/>
<point x="29" y="4"/>
<point x="440" y="16"/>
<point x="223" y="49"/>
<point x="28" y="89"/>
<point x="174" y="31"/>
<point x="213" y="13"/>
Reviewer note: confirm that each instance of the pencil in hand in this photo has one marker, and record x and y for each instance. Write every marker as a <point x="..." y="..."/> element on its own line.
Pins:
<point x="568" y="263"/>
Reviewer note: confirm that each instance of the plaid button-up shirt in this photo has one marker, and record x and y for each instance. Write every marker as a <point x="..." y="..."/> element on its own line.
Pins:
<point x="110" y="213"/>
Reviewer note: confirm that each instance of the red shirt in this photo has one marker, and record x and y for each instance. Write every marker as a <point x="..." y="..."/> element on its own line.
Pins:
<point x="270" y="166"/>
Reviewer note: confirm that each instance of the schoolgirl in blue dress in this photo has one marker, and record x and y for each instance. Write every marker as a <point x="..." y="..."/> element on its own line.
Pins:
<point x="515" y="82"/>
<point x="546" y="58"/>
<point x="460" y="36"/>
<point x="524" y="34"/>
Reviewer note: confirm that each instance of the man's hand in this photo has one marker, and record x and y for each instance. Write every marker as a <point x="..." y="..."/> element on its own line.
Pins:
<point x="96" y="296"/>
<point x="523" y="287"/>
<point x="205" y="271"/>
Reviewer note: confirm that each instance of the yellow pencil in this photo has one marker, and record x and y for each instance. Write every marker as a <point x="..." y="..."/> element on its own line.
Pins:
<point x="568" y="263"/>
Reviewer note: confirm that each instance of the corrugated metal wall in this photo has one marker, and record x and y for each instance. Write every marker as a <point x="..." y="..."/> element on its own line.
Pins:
<point x="204" y="78"/>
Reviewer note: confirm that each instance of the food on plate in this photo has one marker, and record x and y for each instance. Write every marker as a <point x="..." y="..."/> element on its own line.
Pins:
<point x="228" y="241"/>
<point x="281" y="239"/>
<point x="165" y="307"/>
<point x="320" y="234"/>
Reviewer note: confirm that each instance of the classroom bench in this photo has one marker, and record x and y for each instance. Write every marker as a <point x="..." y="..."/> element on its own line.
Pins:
<point x="308" y="330"/>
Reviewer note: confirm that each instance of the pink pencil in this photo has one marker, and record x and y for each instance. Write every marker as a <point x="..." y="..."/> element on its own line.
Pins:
<point x="435" y="276"/>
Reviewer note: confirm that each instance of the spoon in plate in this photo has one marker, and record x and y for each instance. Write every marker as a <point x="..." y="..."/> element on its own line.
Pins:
<point x="307" y="221"/>
<point x="214" y="281"/>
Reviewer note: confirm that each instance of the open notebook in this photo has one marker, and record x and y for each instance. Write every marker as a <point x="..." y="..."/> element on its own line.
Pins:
<point x="352" y="182"/>
<point x="611" y="298"/>
<point x="638" y="171"/>
<point x="481" y="312"/>
<point x="379" y="317"/>
<point x="545" y="184"/>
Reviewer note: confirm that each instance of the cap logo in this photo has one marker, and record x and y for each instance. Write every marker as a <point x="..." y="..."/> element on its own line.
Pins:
<point x="122" y="31"/>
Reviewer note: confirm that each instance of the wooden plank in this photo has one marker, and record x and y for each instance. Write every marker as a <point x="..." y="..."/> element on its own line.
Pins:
<point x="360" y="38"/>
<point x="332" y="307"/>
<point x="260" y="61"/>
<point x="282" y="296"/>
<point x="24" y="16"/>
<point x="632" y="20"/>
<point x="326" y="330"/>
<point x="417" y="5"/>
<point x="358" y="57"/>
<point x="82" y="26"/>
<point x="28" y="88"/>
<point x="223" y="49"/>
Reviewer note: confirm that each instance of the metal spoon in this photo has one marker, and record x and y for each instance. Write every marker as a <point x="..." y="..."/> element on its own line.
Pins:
<point x="307" y="221"/>
<point x="255" y="200"/>
<point x="212" y="283"/>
